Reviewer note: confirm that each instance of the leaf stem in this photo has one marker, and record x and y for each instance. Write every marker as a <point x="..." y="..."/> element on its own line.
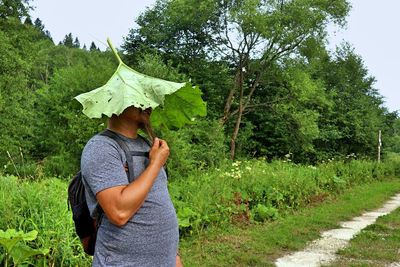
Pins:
<point x="114" y="51"/>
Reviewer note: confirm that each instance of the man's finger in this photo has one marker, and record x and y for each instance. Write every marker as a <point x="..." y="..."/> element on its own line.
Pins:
<point x="164" y="145"/>
<point x="156" y="142"/>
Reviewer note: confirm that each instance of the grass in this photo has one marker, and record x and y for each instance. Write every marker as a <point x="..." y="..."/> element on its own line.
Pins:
<point x="377" y="245"/>
<point x="225" y="215"/>
<point x="42" y="206"/>
<point x="262" y="244"/>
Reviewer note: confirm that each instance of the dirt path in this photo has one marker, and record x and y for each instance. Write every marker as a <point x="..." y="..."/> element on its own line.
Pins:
<point x="322" y="251"/>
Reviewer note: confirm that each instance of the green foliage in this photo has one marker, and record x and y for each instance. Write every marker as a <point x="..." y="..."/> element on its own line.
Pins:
<point x="392" y="144"/>
<point x="14" y="9"/>
<point x="238" y="192"/>
<point x="262" y="213"/>
<point x="309" y="104"/>
<point x="255" y="190"/>
<point x="16" y="101"/>
<point x="305" y="101"/>
<point x="41" y="207"/>
<point x="344" y="129"/>
<point x="153" y="65"/>
<point x="394" y="159"/>
<point x="198" y="146"/>
<point x="189" y="220"/>
<point x="15" y="248"/>
<point x="60" y="142"/>
<point x="246" y="37"/>
<point x="180" y="108"/>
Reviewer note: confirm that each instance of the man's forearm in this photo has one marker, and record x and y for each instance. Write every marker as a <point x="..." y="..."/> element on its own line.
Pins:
<point x="178" y="261"/>
<point x="133" y="195"/>
<point x="120" y="203"/>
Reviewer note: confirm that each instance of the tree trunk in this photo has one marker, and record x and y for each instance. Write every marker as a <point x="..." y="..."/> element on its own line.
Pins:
<point x="229" y="100"/>
<point x="239" y="117"/>
<point x="236" y="130"/>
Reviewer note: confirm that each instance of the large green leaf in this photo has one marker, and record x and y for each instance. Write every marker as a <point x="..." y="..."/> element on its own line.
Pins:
<point x="11" y="241"/>
<point x="21" y="253"/>
<point x="11" y="237"/>
<point x="128" y="87"/>
<point x="180" y="108"/>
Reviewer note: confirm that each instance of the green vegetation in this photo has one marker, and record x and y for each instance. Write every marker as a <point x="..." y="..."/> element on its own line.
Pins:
<point x="261" y="244"/>
<point x="15" y="250"/>
<point x="251" y="193"/>
<point x="268" y="76"/>
<point x="41" y="206"/>
<point x="376" y="245"/>
<point x="256" y="191"/>
<point x="300" y="121"/>
<point x="281" y="93"/>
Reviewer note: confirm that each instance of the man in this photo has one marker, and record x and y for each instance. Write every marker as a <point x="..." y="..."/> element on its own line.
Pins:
<point x="139" y="226"/>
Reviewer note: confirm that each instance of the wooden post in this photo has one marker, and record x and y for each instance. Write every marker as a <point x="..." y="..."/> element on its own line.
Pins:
<point x="379" y="145"/>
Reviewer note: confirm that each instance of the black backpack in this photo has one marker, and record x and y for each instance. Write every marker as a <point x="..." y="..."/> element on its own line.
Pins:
<point x="86" y="226"/>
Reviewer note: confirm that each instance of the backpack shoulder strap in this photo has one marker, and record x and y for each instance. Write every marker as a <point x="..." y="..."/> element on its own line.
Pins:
<point x="124" y="147"/>
<point x="146" y="140"/>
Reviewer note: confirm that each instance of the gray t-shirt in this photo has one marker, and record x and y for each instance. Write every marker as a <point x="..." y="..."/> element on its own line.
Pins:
<point x="150" y="238"/>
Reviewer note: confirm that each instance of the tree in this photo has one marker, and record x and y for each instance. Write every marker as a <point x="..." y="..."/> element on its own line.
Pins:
<point x="14" y="8"/>
<point x="68" y="41"/>
<point x="392" y="142"/>
<point x="61" y="129"/>
<point x="352" y="124"/>
<point x="16" y="104"/>
<point x="249" y="35"/>
<point x="39" y="24"/>
<point x="48" y="35"/>
<point x="93" y="47"/>
<point x="77" y="44"/>
<point x="28" y="21"/>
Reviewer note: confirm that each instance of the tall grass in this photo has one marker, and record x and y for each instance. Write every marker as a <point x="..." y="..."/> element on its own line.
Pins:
<point x="249" y="191"/>
<point x="255" y="190"/>
<point x="42" y="206"/>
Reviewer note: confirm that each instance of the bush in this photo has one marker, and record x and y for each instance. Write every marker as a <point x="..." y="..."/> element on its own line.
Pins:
<point x="198" y="146"/>
<point x="394" y="160"/>
<point x="62" y="165"/>
<point x="255" y="190"/>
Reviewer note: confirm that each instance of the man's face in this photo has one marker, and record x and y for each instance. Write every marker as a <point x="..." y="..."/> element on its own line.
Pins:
<point x="138" y="115"/>
<point x="141" y="117"/>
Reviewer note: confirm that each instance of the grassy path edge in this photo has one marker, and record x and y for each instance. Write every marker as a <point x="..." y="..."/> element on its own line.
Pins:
<point x="376" y="245"/>
<point x="260" y="245"/>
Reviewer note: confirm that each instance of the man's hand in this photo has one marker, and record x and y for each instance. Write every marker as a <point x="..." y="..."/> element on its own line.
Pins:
<point x="159" y="152"/>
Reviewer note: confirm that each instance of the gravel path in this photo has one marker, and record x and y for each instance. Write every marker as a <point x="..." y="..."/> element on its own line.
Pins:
<point x="322" y="251"/>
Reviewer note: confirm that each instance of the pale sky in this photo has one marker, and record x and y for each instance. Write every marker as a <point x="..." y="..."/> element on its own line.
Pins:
<point x="372" y="30"/>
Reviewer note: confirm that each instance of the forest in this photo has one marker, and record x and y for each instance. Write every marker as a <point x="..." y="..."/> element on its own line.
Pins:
<point x="278" y="101"/>
<point x="273" y="91"/>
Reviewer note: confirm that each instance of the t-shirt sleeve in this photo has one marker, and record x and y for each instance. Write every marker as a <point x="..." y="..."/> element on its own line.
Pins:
<point x="102" y="166"/>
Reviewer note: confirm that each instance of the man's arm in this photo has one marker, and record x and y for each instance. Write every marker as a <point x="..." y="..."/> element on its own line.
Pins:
<point x="178" y="262"/>
<point x="120" y="203"/>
